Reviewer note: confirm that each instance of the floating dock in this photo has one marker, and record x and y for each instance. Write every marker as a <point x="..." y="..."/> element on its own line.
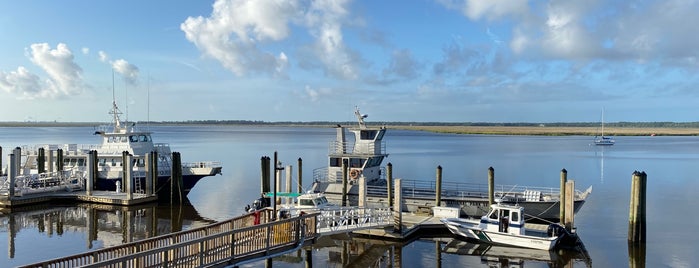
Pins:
<point x="99" y="197"/>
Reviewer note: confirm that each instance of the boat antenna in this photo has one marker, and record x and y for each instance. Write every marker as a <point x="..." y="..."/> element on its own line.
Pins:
<point x="115" y="110"/>
<point x="148" y="105"/>
<point x="360" y="117"/>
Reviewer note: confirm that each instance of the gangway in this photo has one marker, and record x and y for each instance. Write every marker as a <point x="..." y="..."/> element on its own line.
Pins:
<point x="249" y="238"/>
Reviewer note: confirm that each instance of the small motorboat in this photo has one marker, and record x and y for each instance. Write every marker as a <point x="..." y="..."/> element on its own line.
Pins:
<point x="505" y="225"/>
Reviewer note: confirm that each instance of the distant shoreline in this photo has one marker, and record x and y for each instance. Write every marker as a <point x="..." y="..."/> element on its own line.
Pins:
<point x="559" y="129"/>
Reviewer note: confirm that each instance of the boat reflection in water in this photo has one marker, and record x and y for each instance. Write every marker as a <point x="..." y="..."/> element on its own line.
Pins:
<point x="503" y="256"/>
<point x="103" y="225"/>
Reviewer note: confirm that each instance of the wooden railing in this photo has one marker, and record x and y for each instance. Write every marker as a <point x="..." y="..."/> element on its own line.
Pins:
<point x="251" y="236"/>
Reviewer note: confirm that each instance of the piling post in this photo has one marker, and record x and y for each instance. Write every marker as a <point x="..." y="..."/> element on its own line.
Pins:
<point x="274" y="197"/>
<point x="155" y="174"/>
<point x="438" y="190"/>
<point x="90" y="173"/>
<point x="300" y="175"/>
<point x="127" y="178"/>
<point x="59" y="160"/>
<point x="362" y="191"/>
<point x="637" y="208"/>
<point x="41" y="161"/>
<point x="569" y="205"/>
<point x="397" y="214"/>
<point x="149" y="173"/>
<point x="389" y="183"/>
<point x="309" y="257"/>
<point x="262" y="175"/>
<point x="176" y="179"/>
<point x="1" y="161"/>
<point x="50" y="161"/>
<point x="344" y="182"/>
<point x="491" y="186"/>
<point x="12" y="174"/>
<point x="95" y="167"/>
<point x="562" y="198"/>
<point x="289" y="178"/>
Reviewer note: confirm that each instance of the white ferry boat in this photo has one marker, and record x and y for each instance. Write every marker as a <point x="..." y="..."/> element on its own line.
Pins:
<point x="117" y="138"/>
<point x="367" y="151"/>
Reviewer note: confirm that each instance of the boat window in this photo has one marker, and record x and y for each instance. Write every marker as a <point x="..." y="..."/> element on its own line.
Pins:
<point x="335" y="162"/>
<point x="102" y="161"/>
<point x="381" y="133"/>
<point x="133" y="138"/>
<point x="110" y="139"/>
<point x="494" y="214"/>
<point x="306" y="202"/>
<point x="504" y="213"/>
<point x="515" y="216"/>
<point x="123" y="139"/>
<point x="367" y="134"/>
<point x="356" y="162"/>
<point x="81" y="162"/>
<point x="143" y="138"/>
<point x="113" y="162"/>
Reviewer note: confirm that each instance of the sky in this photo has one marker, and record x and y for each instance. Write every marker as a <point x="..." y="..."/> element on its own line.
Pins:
<point x="409" y="61"/>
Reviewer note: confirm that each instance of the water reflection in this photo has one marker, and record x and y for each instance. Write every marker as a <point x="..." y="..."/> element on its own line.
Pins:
<point x="501" y="256"/>
<point x="103" y="225"/>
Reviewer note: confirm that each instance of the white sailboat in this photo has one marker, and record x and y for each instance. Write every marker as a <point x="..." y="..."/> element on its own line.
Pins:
<point x="601" y="139"/>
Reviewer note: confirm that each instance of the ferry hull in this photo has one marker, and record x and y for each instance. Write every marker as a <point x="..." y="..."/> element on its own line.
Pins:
<point x="162" y="187"/>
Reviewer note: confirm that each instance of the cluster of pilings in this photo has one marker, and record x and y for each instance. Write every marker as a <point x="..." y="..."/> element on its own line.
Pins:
<point x="53" y="162"/>
<point x="266" y="186"/>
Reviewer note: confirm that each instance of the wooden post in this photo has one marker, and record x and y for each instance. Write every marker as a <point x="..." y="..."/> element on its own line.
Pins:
<point x="127" y="178"/>
<point x="12" y="174"/>
<point x="59" y="160"/>
<point x="300" y="175"/>
<point x="438" y="186"/>
<point x="362" y="191"/>
<point x="309" y="257"/>
<point x="149" y="173"/>
<point x="289" y="178"/>
<point x="1" y="161"/>
<point x="262" y="175"/>
<point x="569" y="205"/>
<point x="95" y="167"/>
<point x="41" y="161"/>
<point x="491" y="186"/>
<point x="156" y="173"/>
<point x="50" y="161"/>
<point x="637" y="208"/>
<point x="90" y="172"/>
<point x="562" y="196"/>
<point x="389" y="183"/>
<point x="344" y="182"/>
<point x="397" y="215"/>
<point x="176" y="179"/>
<point x="274" y="197"/>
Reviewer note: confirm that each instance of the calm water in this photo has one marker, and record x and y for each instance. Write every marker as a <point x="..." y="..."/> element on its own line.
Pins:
<point x="521" y="160"/>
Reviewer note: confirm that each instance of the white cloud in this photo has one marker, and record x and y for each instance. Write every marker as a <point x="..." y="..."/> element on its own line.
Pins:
<point x="235" y="29"/>
<point x="86" y="50"/>
<point x="20" y="81"/>
<point x="103" y="56"/>
<point x="237" y="34"/>
<point x="127" y="70"/>
<point x="64" y="75"/>
<point x="490" y="9"/>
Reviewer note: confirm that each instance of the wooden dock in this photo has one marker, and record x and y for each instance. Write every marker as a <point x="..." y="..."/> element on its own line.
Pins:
<point x="232" y="242"/>
<point x="100" y="197"/>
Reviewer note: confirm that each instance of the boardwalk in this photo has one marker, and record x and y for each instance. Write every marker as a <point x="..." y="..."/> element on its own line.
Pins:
<point x="251" y="237"/>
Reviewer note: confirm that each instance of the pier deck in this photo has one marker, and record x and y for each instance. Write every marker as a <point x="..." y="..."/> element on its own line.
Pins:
<point x="101" y="197"/>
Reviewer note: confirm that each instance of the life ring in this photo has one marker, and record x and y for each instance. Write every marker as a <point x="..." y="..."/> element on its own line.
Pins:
<point x="354" y="174"/>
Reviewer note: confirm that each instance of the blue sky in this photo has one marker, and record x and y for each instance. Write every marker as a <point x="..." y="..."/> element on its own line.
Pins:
<point x="441" y="60"/>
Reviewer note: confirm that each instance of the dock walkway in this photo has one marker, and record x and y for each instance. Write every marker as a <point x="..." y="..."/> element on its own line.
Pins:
<point x="101" y="197"/>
